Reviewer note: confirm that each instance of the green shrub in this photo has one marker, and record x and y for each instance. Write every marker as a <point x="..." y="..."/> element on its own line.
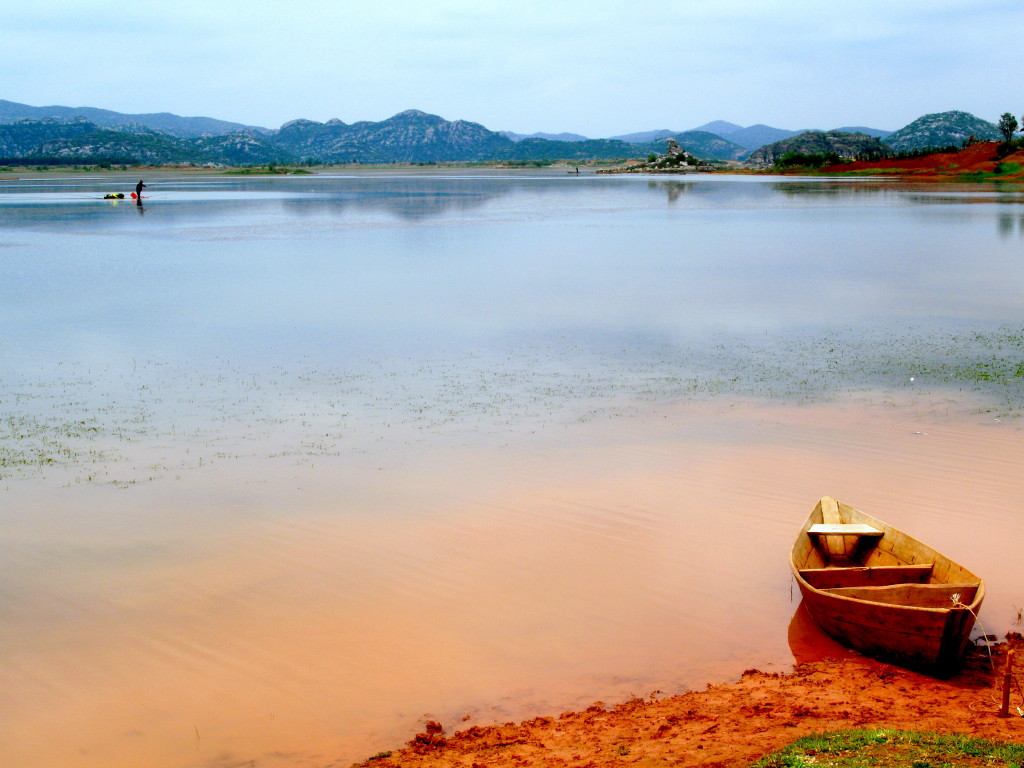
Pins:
<point x="801" y="160"/>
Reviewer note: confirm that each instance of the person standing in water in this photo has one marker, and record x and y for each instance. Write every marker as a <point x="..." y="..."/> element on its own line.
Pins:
<point x="138" y="189"/>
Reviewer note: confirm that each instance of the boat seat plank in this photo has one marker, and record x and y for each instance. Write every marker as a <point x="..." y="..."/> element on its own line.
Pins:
<point x="864" y="576"/>
<point x="843" y="529"/>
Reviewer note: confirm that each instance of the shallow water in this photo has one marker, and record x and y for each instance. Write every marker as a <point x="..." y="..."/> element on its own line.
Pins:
<point x="289" y="463"/>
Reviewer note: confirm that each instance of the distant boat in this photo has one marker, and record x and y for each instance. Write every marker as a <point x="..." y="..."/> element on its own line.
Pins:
<point x="881" y="592"/>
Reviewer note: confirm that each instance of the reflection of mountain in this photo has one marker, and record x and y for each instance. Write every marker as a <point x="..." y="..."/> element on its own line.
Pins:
<point x="377" y="198"/>
<point x="735" y="192"/>
<point x="411" y="200"/>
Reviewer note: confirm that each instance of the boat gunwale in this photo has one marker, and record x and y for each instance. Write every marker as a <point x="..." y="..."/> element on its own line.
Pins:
<point x="973" y="606"/>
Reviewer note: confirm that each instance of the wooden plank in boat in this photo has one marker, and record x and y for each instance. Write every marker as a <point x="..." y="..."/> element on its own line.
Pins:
<point x="877" y="576"/>
<point x="830" y="514"/>
<point x="843" y="529"/>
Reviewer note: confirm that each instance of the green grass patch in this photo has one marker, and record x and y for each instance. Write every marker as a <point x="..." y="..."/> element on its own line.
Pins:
<point x="893" y="749"/>
<point x="270" y="170"/>
<point x="1005" y="170"/>
<point x="867" y="172"/>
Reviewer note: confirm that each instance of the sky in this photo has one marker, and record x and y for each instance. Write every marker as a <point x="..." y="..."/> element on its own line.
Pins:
<point x="594" y="67"/>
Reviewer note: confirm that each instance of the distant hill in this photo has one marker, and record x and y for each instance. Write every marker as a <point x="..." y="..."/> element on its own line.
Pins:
<point x="708" y="146"/>
<point x="548" y="136"/>
<point x="756" y="136"/>
<point x="646" y="137"/>
<point x="844" y="145"/>
<point x="719" y="127"/>
<point x="163" y="121"/>
<point x="574" y="151"/>
<point x="878" y="133"/>
<point x="942" y="129"/>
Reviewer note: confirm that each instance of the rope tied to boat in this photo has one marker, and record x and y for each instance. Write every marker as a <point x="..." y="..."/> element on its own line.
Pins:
<point x="955" y="598"/>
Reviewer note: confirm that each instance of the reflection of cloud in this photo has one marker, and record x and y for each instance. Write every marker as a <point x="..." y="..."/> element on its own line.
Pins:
<point x="405" y="259"/>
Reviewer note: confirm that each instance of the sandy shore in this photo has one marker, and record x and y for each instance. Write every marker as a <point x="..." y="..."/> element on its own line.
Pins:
<point x="736" y="723"/>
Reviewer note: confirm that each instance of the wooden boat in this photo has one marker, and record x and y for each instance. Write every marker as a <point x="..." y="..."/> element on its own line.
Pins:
<point x="883" y="593"/>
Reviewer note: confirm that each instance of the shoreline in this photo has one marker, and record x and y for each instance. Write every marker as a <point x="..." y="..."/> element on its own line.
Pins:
<point x="733" y="724"/>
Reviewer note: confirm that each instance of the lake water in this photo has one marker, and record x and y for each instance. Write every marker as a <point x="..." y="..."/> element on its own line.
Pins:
<point x="289" y="464"/>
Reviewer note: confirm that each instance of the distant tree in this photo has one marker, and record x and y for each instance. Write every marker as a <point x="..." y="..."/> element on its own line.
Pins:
<point x="1007" y="126"/>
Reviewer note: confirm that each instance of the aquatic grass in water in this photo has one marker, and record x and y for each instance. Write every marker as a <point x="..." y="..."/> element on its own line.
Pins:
<point x="89" y="420"/>
<point x="29" y="443"/>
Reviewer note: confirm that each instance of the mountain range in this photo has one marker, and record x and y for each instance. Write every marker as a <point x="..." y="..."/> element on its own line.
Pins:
<point x="165" y="122"/>
<point x="65" y="135"/>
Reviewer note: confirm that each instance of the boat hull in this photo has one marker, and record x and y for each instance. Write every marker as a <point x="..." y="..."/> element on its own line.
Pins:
<point x="895" y="599"/>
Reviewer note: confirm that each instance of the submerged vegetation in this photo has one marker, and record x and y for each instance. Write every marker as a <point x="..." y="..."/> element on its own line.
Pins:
<point x="90" y="422"/>
<point x="893" y="749"/>
<point x="270" y="169"/>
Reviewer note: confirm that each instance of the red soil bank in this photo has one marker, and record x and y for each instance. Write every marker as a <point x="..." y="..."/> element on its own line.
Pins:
<point x="729" y="726"/>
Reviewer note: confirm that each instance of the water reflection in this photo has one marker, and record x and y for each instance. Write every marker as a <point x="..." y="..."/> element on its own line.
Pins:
<point x="1010" y="223"/>
<point x="808" y="642"/>
<point x="412" y="198"/>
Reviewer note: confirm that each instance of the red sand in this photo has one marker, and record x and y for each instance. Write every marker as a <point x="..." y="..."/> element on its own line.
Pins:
<point x="977" y="158"/>
<point x="732" y="725"/>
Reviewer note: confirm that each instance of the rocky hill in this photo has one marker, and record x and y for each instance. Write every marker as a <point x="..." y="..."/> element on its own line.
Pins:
<point x="410" y="136"/>
<point x="843" y="145"/>
<point x="51" y="141"/>
<point x="942" y="129"/>
<point x="116" y="146"/>
<point x="241" y="148"/>
<point x="21" y="138"/>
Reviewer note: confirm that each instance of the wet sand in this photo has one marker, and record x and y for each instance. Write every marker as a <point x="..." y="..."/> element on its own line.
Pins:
<point x="471" y="580"/>
<point x="732" y="725"/>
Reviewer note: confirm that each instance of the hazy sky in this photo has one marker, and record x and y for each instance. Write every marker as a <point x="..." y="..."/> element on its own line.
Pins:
<point x="596" y="67"/>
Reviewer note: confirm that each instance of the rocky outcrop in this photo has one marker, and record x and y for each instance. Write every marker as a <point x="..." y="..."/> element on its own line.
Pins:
<point x="675" y="160"/>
